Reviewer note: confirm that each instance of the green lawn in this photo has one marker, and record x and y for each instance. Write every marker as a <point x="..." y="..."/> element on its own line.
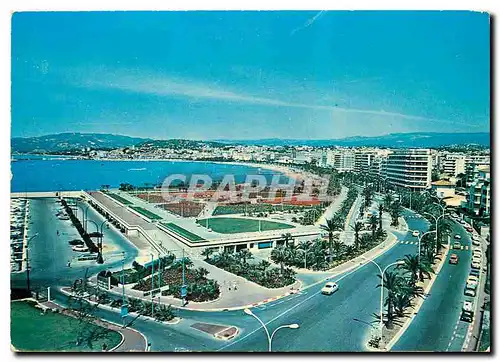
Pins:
<point x="52" y="332"/>
<point x="146" y="213"/>
<point x="182" y="232"/>
<point x="118" y="198"/>
<point x="228" y="225"/>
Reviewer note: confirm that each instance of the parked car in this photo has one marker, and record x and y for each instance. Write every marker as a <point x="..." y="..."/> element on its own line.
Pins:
<point x="475" y="265"/>
<point x="472" y="279"/>
<point x="467" y="316"/>
<point x="467" y="306"/>
<point x="476" y="242"/>
<point x="329" y="288"/>
<point x="457" y="245"/>
<point x="475" y="272"/>
<point x="453" y="259"/>
<point x="470" y="292"/>
<point x="458" y="237"/>
<point x="469" y="229"/>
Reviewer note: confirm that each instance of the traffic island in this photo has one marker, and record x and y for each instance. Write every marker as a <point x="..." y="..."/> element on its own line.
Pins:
<point x="216" y="330"/>
<point x="391" y="336"/>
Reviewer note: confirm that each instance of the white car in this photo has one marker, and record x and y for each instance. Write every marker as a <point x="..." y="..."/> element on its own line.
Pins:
<point x="476" y="242"/>
<point x="458" y="237"/>
<point x="467" y="306"/>
<point x="416" y="233"/>
<point x="477" y="253"/>
<point x="472" y="279"/>
<point x="329" y="288"/>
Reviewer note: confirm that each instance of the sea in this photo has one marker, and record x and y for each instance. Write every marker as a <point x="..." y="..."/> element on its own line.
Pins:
<point x="35" y="173"/>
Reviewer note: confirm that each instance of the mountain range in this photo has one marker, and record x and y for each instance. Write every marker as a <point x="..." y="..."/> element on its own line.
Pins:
<point x="77" y="141"/>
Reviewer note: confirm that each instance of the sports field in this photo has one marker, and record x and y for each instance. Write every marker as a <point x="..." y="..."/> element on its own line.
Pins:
<point x="229" y="225"/>
<point x="52" y="332"/>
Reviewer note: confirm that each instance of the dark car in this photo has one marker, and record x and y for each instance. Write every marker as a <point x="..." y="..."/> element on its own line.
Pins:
<point x="453" y="259"/>
<point x="467" y="316"/>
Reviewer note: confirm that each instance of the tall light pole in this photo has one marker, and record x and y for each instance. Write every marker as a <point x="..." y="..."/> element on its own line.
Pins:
<point x="152" y="282"/>
<point x="382" y="272"/>
<point x="420" y="240"/>
<point x="270" y="336"/>
<point x="436" y="219"/>
<point x="28" y="261"/>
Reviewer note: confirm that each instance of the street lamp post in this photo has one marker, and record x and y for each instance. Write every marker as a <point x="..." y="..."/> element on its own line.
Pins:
<point x="436" y="219"/>
<point x="382" y="272"/>
<point x="152" y="282"/>
<point x="27" y="263"/>
<point x="270" y="336"/>
<point x="420" y="240"/>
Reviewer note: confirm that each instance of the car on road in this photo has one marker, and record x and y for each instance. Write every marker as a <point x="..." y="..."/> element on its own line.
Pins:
<point x="458" y="237"/>
<point x="467" y="307"/>
<point x="467" y="316"/>
<point x="329" y="288"/>
<point x="475" y="265"/>
<point x="462" y="222"/>
<point x="470" y="292"/>
<point x="457" y="245"/>
<point x="454" y="259"/>
<point x="416" y="233"/>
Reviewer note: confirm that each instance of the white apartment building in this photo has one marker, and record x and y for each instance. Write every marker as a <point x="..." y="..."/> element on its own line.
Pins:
<point x="479" y="193"/>
<point x="409" y="168"/>
<point x="363" y="160"/>
<point x="453" y="164"/>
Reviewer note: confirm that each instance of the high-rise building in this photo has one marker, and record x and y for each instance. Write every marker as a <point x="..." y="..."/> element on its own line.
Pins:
<point x="479" y="193"/>
<point x="363" y="161"/>
<point x="453" y="164"/>
<point x="409" y="168"/>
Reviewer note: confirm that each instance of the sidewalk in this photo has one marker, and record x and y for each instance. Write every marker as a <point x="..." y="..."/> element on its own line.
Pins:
<point x="333" y="207"/>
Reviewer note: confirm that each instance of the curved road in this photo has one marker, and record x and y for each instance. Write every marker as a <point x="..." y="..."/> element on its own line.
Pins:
<point x="327" y="323"/>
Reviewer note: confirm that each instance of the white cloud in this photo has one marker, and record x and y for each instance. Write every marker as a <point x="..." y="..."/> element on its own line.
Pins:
<point x="160" y="85"/>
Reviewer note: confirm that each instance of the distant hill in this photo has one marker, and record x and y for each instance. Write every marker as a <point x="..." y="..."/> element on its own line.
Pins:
<point x="95" y="141"/>
<point x="71" y="141"/>
<point x="179" y="144"/>
<point x="395" y="140"/>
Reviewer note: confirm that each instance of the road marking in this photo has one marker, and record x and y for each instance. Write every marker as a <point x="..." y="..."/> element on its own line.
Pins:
<point x="287" y="311"/>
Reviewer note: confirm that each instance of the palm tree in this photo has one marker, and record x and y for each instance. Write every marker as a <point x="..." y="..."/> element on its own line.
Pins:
<point x="245" y="254"/>
<point x="337" y="245"/>
<point x="373" y="226"/>
<point x="287" y="238"/>
<point x="395" y="211"/>
<point x="358" y="226"/>
<point x="380" y="213"/>
<point x="387" y="201"/>
<point x="333" y="224"/>
<point x="392" y="282"/>
<point x="411" y="266"/>
<point x="207" y="253"/>
<point x="402" y="301"/>
<point x="279" y="255"/>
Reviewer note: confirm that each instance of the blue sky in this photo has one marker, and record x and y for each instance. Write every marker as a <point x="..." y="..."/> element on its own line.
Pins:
<point x="248" y="75"/>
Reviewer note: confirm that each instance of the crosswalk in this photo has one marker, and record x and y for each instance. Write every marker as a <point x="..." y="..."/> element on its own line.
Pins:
<point x="409" y="242"/>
